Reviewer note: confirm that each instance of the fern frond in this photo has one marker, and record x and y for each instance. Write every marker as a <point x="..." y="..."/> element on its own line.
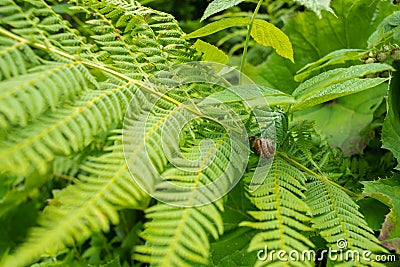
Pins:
<point x="88" y="206"/>
<point x="25" y="97"/>
<point x="282" y="216"/>
<point x="67" y="130"/>
<point x="15" y="58"/>
<point x="25" y="20"/>
<point x="300" y="139"/>
<point x="38" y="22"/>
<point x="131" y="42"/>
<point x="336" y="218"/>
<point x="132" y="37"/>
<point x="178" y="236"/>
<point x="188" y="176"/>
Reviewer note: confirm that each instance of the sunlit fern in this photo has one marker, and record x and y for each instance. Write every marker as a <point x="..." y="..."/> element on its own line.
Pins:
<point x="283" y="214"/>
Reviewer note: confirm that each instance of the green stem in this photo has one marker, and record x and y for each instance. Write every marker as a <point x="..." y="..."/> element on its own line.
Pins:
<point x="319" y="177"/>
<point x="249" y="27"/>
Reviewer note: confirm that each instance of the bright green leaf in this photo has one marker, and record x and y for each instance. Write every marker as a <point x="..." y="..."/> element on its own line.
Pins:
<point x="338" y="90"/>
<point x="219" y="5"/>
<point x="217" y="26"/>
<point x="268" y="34"/>
<point x="210" y="52"/>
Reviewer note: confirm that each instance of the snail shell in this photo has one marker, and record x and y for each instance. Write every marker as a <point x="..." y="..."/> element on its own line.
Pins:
<point x="265" y="148"/>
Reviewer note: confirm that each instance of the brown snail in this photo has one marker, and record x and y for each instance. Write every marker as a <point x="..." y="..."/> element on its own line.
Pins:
<point x="264" y="147"/>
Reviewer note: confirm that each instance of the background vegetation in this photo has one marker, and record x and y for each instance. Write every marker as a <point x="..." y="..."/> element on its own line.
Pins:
<point x="69" y="70"/>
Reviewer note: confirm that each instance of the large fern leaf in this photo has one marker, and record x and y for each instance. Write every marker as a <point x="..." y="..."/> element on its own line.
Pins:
<point x="130" y="43"/>
<point x="196" y="175"/>
<point x="282" y="216"/>
<point x="67" y="130"/>
<point x="116" y="54"/>
<point x="26" y="96"/>
<point x="338" y="221"/>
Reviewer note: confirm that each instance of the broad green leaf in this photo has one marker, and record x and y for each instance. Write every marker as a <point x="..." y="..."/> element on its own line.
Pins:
<point x="391" y="125"/>
<point x="388" y="30"/>
<point x="210" y="52"/>
<point x="374" y="212"/>
<point x="217" y="26"/>
<point x="337" y="83"/>
<point x="316" y="5"/>
<point x="338" y="90"/>
<point x="343" y="120"/>
<point x="219" y="5"/>
<point x="15" y="225"/>
<point x="313" y="38"/>
<point x="334" y="58"/>
<point x="318" y="83"/>
<point x="267" y="34"/>
<point x="388" y="192"/>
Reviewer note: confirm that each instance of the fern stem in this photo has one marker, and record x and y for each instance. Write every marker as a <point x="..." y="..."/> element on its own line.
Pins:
<point x="66" y="177"/>
<point x="249" y="27"/>
<point x="113" y="72"/>
<point x="320" y="177"/>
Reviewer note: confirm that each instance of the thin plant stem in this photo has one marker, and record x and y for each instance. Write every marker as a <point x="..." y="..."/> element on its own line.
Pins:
<point x="249" y="27"/>
<point x="316" y="175"/>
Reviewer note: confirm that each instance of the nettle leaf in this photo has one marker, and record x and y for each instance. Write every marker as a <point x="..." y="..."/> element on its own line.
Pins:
<point x="391" y="125"/>
<point x="387" y="30"/>
<point x="387" y="191"/>
<point x="354" y="113"/>
<point x="219" y="5"/>
<point x="217" y="26"/>
<point x="334" y="58"/>
<point x="317" y="5"/>
<point x="337" y="83"/>
<point x="211" y="52"/>
<point x="268" y="34"/>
